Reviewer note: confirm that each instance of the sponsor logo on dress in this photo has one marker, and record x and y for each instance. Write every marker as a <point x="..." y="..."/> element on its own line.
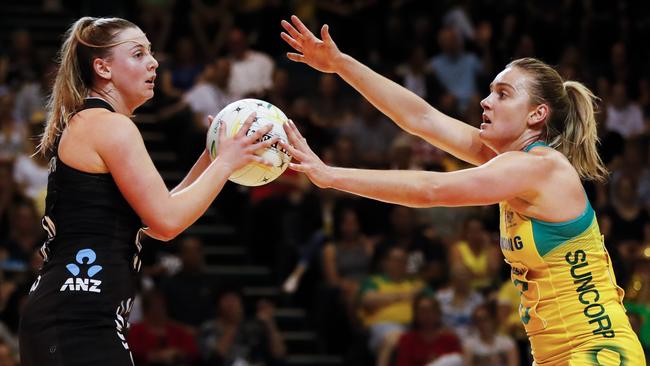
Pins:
<point x="84" y="258"/>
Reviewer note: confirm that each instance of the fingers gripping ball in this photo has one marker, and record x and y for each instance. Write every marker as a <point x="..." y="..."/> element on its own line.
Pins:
<point x="232" y="117"/>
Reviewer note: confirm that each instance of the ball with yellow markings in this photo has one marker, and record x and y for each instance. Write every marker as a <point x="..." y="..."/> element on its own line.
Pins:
<point x="232" y="117"/>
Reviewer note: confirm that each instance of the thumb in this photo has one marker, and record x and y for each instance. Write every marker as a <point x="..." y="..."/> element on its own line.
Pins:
<point x="325" y="34"/>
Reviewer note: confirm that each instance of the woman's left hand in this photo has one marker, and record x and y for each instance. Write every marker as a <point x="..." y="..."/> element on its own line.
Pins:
<point x="307" y="161"/>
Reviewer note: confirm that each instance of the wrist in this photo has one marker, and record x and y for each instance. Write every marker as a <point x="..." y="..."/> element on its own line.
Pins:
<point x="329" y="177"/>
<point x="341" y="62"/>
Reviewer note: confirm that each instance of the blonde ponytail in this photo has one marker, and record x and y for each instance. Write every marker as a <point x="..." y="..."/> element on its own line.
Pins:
<point x="579" y="134"/>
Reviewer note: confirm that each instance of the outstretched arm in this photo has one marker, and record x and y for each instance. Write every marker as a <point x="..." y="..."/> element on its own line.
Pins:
<point x="509" y="175"/>
<point x="409" y="111"/>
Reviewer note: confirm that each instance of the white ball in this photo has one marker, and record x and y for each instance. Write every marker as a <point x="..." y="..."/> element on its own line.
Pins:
<point x="233" y="117"/>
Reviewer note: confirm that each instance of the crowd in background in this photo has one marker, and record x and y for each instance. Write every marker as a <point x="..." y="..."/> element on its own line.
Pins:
<point x="381" y="283"/>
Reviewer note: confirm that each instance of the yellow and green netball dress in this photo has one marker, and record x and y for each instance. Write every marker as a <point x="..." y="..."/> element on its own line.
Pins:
<point x="570" y="305"/>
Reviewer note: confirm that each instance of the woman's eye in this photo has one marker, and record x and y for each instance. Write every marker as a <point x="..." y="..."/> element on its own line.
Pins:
<point x="138" y="54"/>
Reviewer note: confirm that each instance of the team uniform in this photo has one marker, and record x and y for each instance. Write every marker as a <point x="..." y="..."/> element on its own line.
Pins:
<point x="78" y="308"/>
<point x="571" y="305"/>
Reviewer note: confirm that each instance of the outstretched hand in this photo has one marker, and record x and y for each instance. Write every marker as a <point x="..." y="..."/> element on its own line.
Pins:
<point x="322" y="55"/>
<point x="307" y="161"/>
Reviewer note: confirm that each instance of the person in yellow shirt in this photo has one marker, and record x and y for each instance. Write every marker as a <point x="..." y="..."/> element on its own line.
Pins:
<point x="537" y="140"/>
<point x="475" y="255"/>
<point x="386" y="304"/>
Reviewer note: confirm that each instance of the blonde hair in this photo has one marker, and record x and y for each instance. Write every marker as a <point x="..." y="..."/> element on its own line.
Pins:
<point x="87" y="39"/>
<point x="571" y="125"/>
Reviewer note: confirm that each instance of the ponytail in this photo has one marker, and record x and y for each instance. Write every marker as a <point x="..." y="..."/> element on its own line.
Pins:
<point x="580" y="135"/>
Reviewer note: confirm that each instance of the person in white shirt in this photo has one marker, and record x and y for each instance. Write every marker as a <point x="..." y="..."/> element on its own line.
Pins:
<point x="624" y="116"/>
<point x="251" y="71"/>
<point x="210" y="94"/>
<point x="485" y="347"/>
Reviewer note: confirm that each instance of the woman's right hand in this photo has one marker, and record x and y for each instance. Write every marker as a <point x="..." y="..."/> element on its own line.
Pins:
<point x="240" y="150"/>
<point x="322" y="55"/>
<point x="306" y="161"/>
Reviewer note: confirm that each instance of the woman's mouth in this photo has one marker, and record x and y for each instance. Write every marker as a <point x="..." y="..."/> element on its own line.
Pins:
<point x="486" y="121"/>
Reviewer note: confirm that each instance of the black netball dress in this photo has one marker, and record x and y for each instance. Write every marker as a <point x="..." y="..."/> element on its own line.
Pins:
<point x="78" y="308"/>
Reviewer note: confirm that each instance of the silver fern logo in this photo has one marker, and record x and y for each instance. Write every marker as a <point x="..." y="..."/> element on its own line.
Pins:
<point x="84" y="258"/>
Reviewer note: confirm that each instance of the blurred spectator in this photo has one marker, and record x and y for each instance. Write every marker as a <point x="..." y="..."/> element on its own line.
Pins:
<point x="232" y="340"/>
<point x="10" y="195"/>
<point x="31" y="170"/>
<point x="625" y="221"/>
<point x="12" y="133"/>
<point x="427" y="259"/>
<point x="183" y="71"/>
<point x="571" y="64"/>
<point x="458" y="302"/>
<point x="475" y="255"/>
<point x="619" y="69"/>
<point x="428" y="341"/>
<point x="416" y="77"/>
<point x="156" y="18"/>
<point x="192" y="282"/>
<point x="525" y="47"/>
<point x="304" y="116"/>
<point x="21" y="282"/>
<point x="31" y="97"/>
<point x="251" y="72"/>
<point x="23" y="58"/>
<point x="8" y="356"/>
<point x="387" y="304"/>
<point x="485" y="347"/>
<point x="459" y="19"/>
<point x="157" y="340"/>
<point x="279" y="95"/>
<point x="346" y="261"/>
<point x="456" y="69"/>
<point x="211" y="21"/>
<point x="624" y="116"/>
<point x="329" y="105"/>
<point x="344" y="152"/>
<point x="371" y="132"/>
<point x="210" y="94"/>
<point x="446" y="222"/>
<point x="8" y="339"/>
<point x="25" y="235"/>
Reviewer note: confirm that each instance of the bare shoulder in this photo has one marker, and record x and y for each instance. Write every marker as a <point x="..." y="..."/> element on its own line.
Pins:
<point x="90" y="134"/>
<point x="561" y="195"/>
<point x="111" y="131"/>
<point x="536" y="162"/>
<point x="114" y="125"/>
<point x="553" y="160"/>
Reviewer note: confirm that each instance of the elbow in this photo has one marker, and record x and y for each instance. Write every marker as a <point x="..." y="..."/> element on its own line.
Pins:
<point x="419" y="121"/>
<point x="163" y="230"/>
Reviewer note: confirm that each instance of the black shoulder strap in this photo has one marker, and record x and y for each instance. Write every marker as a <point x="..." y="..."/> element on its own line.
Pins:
<point x="93" y="102"/>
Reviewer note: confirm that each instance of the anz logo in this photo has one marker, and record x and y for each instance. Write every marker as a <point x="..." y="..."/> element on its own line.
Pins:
<point x="84" y="258"/>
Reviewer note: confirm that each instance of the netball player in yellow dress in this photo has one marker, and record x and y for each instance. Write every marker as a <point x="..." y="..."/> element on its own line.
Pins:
<point x="537" y="141"/>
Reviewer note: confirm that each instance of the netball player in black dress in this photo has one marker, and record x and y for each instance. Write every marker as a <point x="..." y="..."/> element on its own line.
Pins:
<point x="103" y="194"/>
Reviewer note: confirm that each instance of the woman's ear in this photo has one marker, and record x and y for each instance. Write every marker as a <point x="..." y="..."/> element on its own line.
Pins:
<point x="538" y="115"/>
<point x="102" y="68"/>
